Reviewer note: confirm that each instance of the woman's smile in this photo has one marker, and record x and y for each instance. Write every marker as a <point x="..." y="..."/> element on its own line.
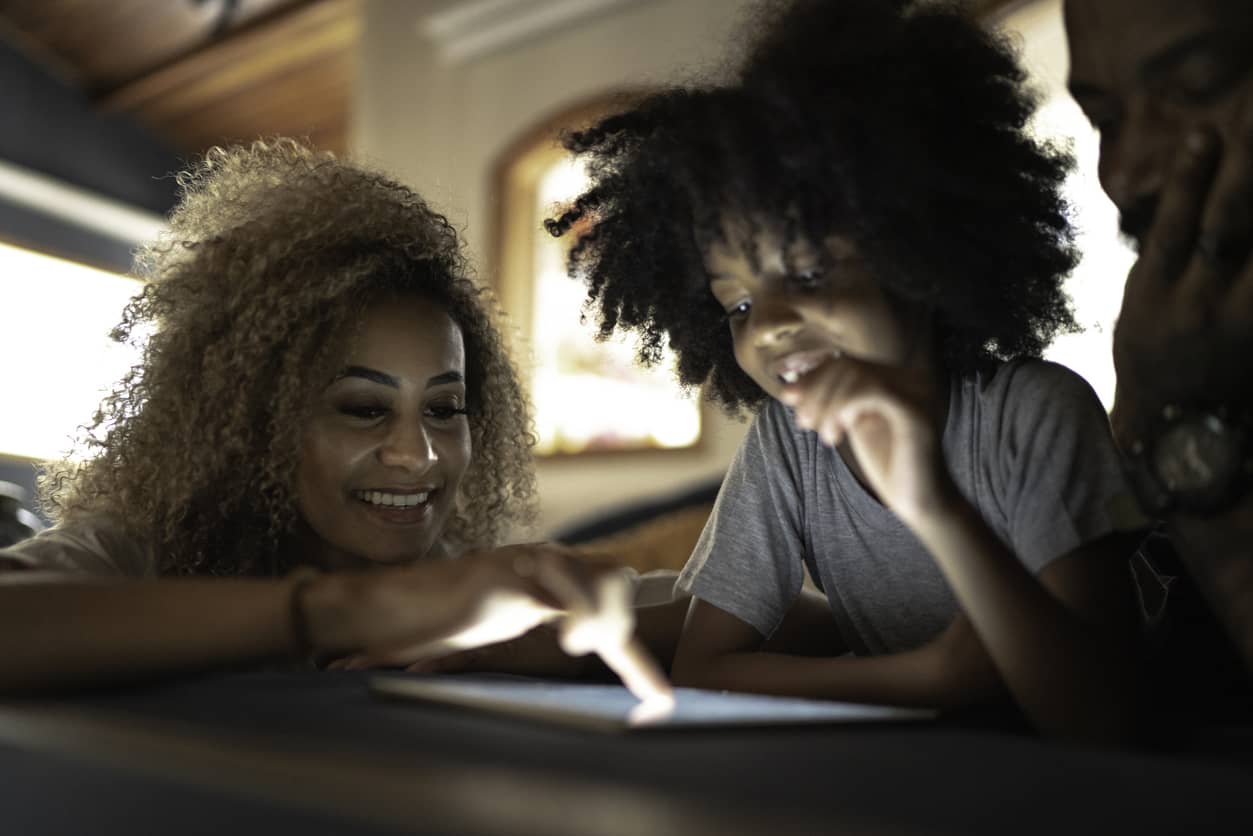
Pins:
<point x="398" y="507"/>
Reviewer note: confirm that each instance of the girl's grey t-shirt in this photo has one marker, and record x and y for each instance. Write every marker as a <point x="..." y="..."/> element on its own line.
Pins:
<point x="1028" y="446"/>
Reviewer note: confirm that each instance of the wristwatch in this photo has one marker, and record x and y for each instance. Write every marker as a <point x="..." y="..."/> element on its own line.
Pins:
<point x="1195" y="460"/>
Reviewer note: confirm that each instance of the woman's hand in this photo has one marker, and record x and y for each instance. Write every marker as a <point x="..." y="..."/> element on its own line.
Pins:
<point x="407" y="616"/>
<point x="890" y="418"/>
<point x="537" y="653"/>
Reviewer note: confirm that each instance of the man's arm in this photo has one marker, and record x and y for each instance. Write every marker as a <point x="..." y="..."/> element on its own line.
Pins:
<point x="1218" y="554"/>
<point x="1183" y="338"/>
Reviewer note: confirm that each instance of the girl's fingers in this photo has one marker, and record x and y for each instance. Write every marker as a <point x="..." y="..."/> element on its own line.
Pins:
<point x="811" y="396"/>
<point x="832" y="405"/>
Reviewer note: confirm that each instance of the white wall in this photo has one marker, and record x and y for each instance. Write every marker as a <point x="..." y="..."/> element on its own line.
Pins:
<point x="1096" y="285"/>
<point x="441" y="126"/>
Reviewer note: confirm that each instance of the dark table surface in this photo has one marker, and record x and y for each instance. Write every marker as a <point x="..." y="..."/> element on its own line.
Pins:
<point x="316" y="753"/>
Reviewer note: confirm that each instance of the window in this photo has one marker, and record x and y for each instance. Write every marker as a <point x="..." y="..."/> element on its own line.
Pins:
<point x="58" y="359"/>
<point x="589" y="396"/>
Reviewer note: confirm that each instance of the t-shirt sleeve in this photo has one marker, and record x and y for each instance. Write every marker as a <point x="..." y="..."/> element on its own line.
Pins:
<point x="95" y="548"/>
<point x="748" y="560"/>
<point x="1063" y="485"/>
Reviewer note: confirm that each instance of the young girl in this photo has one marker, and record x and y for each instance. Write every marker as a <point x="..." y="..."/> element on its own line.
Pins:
<point x="862" y="244"/>
<point x="324" y="416"/>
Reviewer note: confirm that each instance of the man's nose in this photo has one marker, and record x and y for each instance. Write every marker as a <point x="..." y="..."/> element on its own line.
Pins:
<point x="1136" y="159"/>
<point x="408" y="446"/>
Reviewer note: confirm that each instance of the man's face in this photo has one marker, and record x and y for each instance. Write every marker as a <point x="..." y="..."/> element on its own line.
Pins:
<point x="1147" y="71"/>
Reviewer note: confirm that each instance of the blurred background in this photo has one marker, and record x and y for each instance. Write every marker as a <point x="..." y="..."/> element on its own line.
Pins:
<point x="103" y="101"/>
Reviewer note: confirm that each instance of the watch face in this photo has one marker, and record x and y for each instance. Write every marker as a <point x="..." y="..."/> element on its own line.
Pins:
<point x="1198" y="460"/>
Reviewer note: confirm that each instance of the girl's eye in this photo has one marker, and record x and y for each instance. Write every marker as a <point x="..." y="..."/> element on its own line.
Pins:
<point x="739" y="311"/>
<point x="364" y="412"/>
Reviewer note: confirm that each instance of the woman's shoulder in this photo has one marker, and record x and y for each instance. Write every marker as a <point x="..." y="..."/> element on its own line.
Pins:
<point x="98" y="545"/>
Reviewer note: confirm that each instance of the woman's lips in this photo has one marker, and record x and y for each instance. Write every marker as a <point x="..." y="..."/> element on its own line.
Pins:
<point x="404" y="508"/>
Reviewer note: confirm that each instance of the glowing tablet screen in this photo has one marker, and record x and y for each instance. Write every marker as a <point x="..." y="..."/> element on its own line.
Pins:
<point x="610" y="707"/>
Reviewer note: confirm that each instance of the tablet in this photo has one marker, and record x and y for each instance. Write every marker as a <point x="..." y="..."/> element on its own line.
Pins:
<point x="612" y="708"/>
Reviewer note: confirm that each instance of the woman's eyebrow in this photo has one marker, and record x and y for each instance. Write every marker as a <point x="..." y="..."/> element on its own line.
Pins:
<point x="446" y="377"/>
<point x="372" y="375"/>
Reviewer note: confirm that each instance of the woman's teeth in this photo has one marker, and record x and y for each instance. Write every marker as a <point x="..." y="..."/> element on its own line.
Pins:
<point x="403" y="500"/>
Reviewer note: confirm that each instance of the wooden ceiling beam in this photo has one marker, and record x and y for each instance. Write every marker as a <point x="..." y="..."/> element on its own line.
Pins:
<point x="293" y="75"/>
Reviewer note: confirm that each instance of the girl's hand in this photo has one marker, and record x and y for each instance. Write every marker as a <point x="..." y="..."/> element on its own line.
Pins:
<point x="890" y="419"/>
<point x="416" y="614"/>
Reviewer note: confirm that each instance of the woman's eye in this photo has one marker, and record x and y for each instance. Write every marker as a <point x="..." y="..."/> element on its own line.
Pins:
<point x="445" y="412"/>
<point x="364" y="412"/>
<point x="739" y="311"/>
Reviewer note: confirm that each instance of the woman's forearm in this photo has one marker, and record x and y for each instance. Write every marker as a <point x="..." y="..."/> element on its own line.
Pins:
<point x="55" y="635"/>
<point x="1071" y="678"/>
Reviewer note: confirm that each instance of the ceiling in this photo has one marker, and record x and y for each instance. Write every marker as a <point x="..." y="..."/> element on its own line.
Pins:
<point x="203" y="72"/>
<point x="199" y="73"/>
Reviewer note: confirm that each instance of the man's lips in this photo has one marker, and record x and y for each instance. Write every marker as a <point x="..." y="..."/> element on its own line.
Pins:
<point x="792" y="367"/>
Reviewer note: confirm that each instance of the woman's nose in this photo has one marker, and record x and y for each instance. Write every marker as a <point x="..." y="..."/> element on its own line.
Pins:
<point x="408" y="447"/>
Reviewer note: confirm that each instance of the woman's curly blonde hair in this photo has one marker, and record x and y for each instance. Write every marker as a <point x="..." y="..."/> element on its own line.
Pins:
<point x="271" y="258"/>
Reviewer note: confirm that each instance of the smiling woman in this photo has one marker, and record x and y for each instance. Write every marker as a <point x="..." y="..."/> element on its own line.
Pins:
<point x="389" y="440"/>
<point x="323" y="389"/>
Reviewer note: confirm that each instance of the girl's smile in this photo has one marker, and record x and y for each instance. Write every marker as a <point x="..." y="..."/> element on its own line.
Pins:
<point x="792" y="308"/>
